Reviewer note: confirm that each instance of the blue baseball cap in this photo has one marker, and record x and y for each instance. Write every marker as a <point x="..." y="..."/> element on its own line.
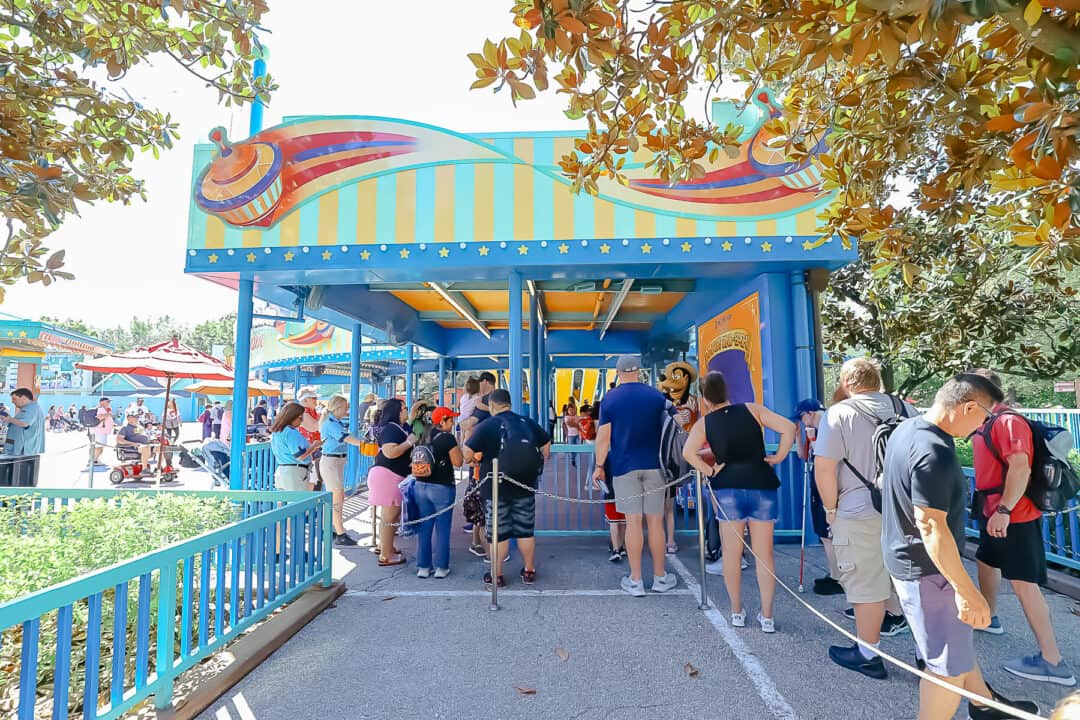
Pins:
<point x="807" y="406"/>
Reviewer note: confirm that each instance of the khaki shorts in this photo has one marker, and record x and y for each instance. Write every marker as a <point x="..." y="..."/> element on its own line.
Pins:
<point x="333" y="472"/>
<point x="857" y="544"/>
<point x="634" y="483"/>
<point x="291" y="477"/>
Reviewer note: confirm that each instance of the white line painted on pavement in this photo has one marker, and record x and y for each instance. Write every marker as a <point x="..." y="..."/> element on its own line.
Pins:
<point x="502" y="593"/>
<point x="753" y="668"/>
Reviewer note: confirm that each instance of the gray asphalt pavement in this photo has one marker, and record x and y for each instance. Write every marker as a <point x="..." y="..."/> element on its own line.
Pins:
<point x="572" y="646"/>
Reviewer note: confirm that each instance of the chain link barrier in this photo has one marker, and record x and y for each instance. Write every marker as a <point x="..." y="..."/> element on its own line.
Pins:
<point x="598" y="501"/>
<point x="446" y="509"/>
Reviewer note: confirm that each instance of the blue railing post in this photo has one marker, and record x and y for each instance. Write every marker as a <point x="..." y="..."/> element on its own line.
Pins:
<point x="534" y="346"/>
<point x="353" y="465"/>
<point x="442" y="380"/>
<point x="514" y="343"/>
<point x="166" y="636"/>
<point x="410" y="380"/>
<point x="241" y="363"/>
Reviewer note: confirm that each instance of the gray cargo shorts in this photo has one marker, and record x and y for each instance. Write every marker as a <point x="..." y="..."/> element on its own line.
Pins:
<point x="633" y="484"/>
<point x="944" y="641"/>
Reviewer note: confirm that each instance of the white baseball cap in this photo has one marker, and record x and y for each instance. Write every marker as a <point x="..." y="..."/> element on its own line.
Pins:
<point x="305" y="394"/>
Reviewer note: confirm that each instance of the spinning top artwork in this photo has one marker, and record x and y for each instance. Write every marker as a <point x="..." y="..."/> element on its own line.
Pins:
<point x="242" y="184"/>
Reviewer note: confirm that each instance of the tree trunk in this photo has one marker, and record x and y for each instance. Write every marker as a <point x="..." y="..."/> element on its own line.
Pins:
<point x="888" y="378"/>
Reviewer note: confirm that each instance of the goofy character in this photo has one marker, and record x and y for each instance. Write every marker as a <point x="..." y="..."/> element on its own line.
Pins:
<point x="676" y="382"/>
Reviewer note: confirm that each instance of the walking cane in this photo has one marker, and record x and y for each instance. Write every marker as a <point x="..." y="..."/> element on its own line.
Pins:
<point x="802" y="550"/>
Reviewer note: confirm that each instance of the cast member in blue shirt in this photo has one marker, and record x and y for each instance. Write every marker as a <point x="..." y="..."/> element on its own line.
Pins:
<point x="291" y="451"/>
<point x="26" y="431"/>
<point x="336" y="440"/>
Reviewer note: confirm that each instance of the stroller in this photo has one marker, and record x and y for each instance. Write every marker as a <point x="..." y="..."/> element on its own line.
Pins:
<point x="212" y="456"/>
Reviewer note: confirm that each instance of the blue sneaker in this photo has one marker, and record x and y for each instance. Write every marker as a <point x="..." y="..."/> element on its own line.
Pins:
<point x="994" y="628"/>
<point x="1035" y="667"/>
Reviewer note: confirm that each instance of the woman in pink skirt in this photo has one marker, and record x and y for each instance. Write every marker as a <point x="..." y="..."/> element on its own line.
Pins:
<point x="391" y="466"/>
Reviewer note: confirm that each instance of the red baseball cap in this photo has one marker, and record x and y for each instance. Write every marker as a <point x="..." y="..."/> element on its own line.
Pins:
<point x="441" y="413"/>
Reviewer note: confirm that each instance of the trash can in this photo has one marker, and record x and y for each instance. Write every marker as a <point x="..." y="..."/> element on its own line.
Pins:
<point x="19" y="470"/>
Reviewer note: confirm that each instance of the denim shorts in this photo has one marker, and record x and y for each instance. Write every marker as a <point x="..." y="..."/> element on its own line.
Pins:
<point x="739" y="504"/>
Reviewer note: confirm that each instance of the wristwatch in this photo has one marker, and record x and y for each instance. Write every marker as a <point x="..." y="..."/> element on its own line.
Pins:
<point x="1002" y="510"/>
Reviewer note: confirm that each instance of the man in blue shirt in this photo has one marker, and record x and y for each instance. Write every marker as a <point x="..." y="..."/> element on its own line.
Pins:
<point x="26" y="431"/>
<point x="631" y="421"/>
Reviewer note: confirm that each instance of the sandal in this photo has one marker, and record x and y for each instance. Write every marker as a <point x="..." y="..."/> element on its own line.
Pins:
<point x="528" y="576"/>
<point x="398" y="559"/>
<point x="487" y="581"/>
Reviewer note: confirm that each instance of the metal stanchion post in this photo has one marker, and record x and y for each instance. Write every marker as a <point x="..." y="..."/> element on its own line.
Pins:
<point x="703" y="602"/>
<point x="93" y="461"/>
<point x="496" y="569"/>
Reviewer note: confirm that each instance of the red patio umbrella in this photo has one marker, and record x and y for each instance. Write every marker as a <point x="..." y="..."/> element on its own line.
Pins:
<point x="171" y="360"/>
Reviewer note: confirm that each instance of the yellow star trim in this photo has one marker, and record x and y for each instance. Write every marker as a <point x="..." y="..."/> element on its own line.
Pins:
<point x="563" y="249"/>
<point x="22" y="333"/>
<point x="326" y="254"/>
<point x="807" y="245"/>
<point x="404" y="253"/>
<point x="11" y="333"/>
<point x="605" y="249"/>
<point x="289" y="256"/>
<point x="523" y="249"/>
<point x="646" y="249"/>
<point x="444" y="252"/>
<point x="766" y="247"/>
<point x="484" y="250"/>
<point x="686" y="247"/>
<point x="365" y="255"/>
<point x="251" y="257"/>
<point x="726" y="246"/>
<point x="212" y="258"/>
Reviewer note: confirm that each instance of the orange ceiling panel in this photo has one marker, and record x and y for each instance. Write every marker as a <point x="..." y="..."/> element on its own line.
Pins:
<point x="569" y="302"/>
<point x="655" y="304"/>
<point x="423" y="300"/>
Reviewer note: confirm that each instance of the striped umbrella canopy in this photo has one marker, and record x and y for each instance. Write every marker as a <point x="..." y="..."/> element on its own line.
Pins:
<point x="256" y="388"/>
<point x="171" y="360"/>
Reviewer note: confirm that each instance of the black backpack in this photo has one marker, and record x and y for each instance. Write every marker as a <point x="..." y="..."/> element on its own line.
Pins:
<point x="89" y="417"/>
<point x="422" y="459"/>
<point x="520" y="456"/>
<point x="1053" y="481"/>
<point x="883" y="430"/>
<point x="672" y="440"/>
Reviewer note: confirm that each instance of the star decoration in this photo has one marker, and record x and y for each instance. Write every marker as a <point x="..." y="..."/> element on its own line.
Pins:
<point x="404" y="253"/>
<point x="11" y="333"/>
<point x="766" y="247"/>
<point x="212" y="258"/>
<point x="727" y="246"/>
<point x="484" y="250"/>
<point x="563" y="249"/>
<point x="523" y="249"/>
<point x="251" y="257"/>
<point x="646" y="249"/>
<point x="289" y="256"/>
<point x="365" y="254"/>
<point x="22" y="333"/>
<point x="686" y="247"/>
<point x="605" y="249"/>
<point x="326" y="255"/>
<point x="807" y="246"/>
<point x="444" y="252"/>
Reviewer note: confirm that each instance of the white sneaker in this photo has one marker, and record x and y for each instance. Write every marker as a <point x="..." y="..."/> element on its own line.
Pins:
<point x="662" y="584"/>
<point x="635" y="588"/>
<point x="423" y="572"/>
<point x="767" y="625"/>
<point x="738" y="619"/>
<point x="440" y="573"/>
<point x="715" y="568"/>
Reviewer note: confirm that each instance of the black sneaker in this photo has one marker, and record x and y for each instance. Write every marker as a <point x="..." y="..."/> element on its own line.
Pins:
<point x="982" y="712"/>
<point x="827" y="586"/>
<point x="344" y="540"/>
<point x="478" y="551"/>
<point x="849" y="613"/>
<point x="622" y="553"/>
<point x="487" y="581"/>
<point x="852" y="659"/>
<point x="894" y="625"/>
<point x="920" y="664"/>
<point x="614" y="555"/>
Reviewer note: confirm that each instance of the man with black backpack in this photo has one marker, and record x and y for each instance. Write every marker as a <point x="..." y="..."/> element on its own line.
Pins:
<point x="1010" y="535"/>
<point x="521" y="447"/>
<point x="850" y="447"/>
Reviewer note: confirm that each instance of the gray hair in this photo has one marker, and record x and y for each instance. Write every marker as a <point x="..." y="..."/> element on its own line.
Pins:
<point x="966" y="387"/>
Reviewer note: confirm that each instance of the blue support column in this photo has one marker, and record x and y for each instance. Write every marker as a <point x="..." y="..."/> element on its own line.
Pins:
<point x="410" y="380"/>
<point x="442" y="380"/>
<point x="354" y="400"/>
<point x="534" y="357"/>
<point x="801" y="317"/>
<point x="542" y="372"/>
<point x="296" y="383"/>
<point x="514" y="349"/>
<point x="241" y="363"/>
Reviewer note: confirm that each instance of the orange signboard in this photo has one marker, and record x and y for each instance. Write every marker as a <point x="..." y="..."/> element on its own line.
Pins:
<point x="730" y="343"/>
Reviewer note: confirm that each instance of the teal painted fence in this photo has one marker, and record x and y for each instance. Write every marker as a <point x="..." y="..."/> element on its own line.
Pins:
<point x="187" y="600"/>
<point x="259" y="465"/>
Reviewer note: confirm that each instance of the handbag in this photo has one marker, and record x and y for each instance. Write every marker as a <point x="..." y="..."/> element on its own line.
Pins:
<point x="472" y="507"/>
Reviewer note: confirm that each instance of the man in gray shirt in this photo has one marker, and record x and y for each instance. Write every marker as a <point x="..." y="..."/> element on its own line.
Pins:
<point x="845" y="451"/>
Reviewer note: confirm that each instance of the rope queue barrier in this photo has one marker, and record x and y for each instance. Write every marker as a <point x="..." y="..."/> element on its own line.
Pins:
<point x="967" y="694"/>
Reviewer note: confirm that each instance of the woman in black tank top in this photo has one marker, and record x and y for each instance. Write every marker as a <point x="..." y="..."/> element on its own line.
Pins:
<point x="744" y="484"/>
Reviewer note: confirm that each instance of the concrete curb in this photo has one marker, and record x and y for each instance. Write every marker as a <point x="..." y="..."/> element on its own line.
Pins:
<point x="1060" y="582"/>
<point x="251" y="650"/>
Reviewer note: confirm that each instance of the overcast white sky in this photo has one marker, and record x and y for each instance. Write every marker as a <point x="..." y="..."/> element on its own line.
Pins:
<point x="402" y="59"/>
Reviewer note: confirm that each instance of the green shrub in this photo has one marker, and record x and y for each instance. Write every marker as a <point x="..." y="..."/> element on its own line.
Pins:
<point x="40" y="549"/>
